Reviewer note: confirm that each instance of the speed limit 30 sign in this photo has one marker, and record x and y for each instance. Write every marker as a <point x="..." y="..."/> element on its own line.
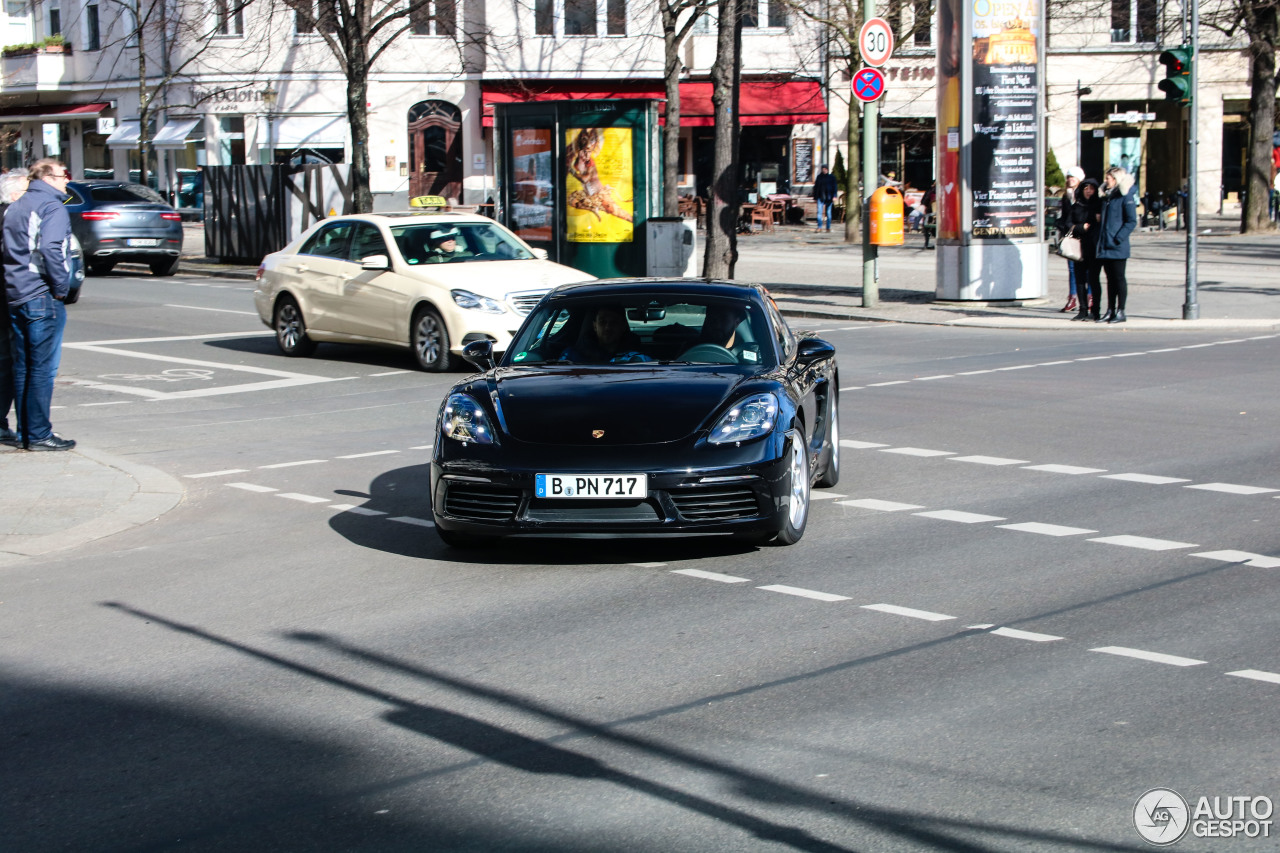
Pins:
<point x="875" y="42"/>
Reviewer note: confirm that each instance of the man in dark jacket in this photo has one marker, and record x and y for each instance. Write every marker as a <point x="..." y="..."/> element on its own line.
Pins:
<point x="824" y="193"/>
<point x="12" y="185"/>
<point x="38" y="277"/>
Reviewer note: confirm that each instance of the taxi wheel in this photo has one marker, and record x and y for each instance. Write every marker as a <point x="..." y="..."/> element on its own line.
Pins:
<point x="430" y="340"/>
<point x="831" y="474"/>
<point x="798" y="491"/>
<point x="291" y="329"/>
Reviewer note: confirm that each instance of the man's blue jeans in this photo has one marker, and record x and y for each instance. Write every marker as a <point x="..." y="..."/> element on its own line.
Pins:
<point x="36" y="327"/>
<point x="6" y="366"/>
<point x="824" y="215"/>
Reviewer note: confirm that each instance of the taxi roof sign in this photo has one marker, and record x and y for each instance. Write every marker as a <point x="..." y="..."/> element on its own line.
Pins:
<point x="428" y="201"/>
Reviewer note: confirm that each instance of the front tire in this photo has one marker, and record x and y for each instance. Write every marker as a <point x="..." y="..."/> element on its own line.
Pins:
<point x="831" y="474"/>
<point x="798" y="491"/>
<point x="430" y="341"/>
<point x="291" y="329"/>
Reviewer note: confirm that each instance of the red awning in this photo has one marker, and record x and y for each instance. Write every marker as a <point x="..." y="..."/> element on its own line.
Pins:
<point x="52" y="112"/>
<point x="760" y="102"/>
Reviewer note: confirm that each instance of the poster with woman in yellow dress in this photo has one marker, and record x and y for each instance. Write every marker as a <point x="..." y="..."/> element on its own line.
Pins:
<point x="598" y="185"/>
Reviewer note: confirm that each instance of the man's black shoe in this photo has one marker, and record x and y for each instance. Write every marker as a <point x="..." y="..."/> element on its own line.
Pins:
<point x="53" y="442"/>
<point x="9" y="437"/>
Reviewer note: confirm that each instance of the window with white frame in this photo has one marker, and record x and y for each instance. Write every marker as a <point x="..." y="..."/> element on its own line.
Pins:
<point x="228" y="17"/>
<point x="581" y="17"/>
<point x="433" y="17"/>
<point x="775" y="13"/>
<point x="1134" y="21"/>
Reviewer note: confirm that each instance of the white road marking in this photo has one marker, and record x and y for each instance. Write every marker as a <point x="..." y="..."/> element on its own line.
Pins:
<point x="908" y="611"/>
<point x="1143" y="542"/>
<point x="1064" y="469"/>
<point x="975" y="372"/>
<point x="256" y="333"/>
<point x="1016" y="367"/>
<point x="1015" y="634"/>
<point x="356" y="510"/>
<point x="883" y="506"/>
<point x="370" y="453"/>
<point x="803" y="593"/>
<point x="708" y="576"/>
<point x="1167" y="349"/>
<point x="219" y="310"/>
<point x="1256" y="675"/>
<point x="108" y="403"/>
<point x="1127" y="354"/>
<point x="293" y="464"/>
<point x="1046" y="529"/>
<point x="1259" y="561"/>
<point x="1145" y="478"/>
<point x="389" y="373"/>
<point x="1154" y="657"/>
<point x="647" y="565"/>
<point x="306" y="499"/>
<point x="420" y="522"/>
<point x="917" y="451"/>
<point x="956" y="515"/>
<point x="821" y="496"/>
<point x="1053" y="363"/>
<point x="860" y="445"/>
<point x="1231" y="488"/>
<point x="852" y="388"/>
<point x="882" y="384"/>
<point x="216" y="473"/>
<point x="988" y="460"/>
<point x="1198" y="346"/>
<point x="251" y="487"/>
<point x="1095" y="358"/>
<point x="931" y="378"/>
<point x="422" y="447"/>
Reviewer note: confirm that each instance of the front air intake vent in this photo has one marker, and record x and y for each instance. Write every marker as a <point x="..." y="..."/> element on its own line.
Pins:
<point x="716" y="503"/>
<point x="480" y="502"/>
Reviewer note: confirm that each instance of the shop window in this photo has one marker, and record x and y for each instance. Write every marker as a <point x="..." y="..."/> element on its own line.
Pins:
<point x="434" y="18"/>
<point x="1134" y="21"/>
<point x="92" y="33"/>
<point x="228" y="18"/>
<point x="11" y="147"/>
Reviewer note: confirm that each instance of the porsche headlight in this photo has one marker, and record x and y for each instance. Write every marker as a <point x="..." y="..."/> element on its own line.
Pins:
<point x="750" y="417"/>
<point x="476" y="302"/>
<point x="464" y="420"/>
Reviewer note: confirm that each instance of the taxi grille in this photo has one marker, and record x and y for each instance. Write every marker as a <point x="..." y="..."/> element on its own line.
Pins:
<point x="481" y="502"/>
<point x="523" y="303"/>
<point x="716" y="503"/>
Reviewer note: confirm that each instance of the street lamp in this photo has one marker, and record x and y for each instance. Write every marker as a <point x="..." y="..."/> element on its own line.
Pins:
<point x="269" y="98"/>
<point x="1081" y="91"/>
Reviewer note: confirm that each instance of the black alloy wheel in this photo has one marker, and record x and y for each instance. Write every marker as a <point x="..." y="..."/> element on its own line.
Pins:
<point x="831" y="473"/>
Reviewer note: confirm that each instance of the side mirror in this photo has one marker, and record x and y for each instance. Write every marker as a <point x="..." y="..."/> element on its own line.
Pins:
<point x="540" y="254"/>
<point x="376" y="262"/>
<point x="480" y="354"/>
<point x="814" y="349"/>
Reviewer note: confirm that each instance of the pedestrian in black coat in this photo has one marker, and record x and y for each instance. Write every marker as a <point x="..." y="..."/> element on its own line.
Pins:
<point x="1084" y="217"/>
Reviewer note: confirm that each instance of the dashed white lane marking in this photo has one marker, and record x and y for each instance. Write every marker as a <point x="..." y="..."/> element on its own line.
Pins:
<point x="1199" y="346"/>
<point x="306" y="499"/>
<point x="108" y="403"/>
<point x="803" y="593"/>
<point x="1063" y="469"/>
<point x="939" y="376"/>
<point x="370" y="453"/>
<point x="817" y="495"/>
<point x="1166" y="349"/>
<point x="423" y="447"/>
<point x="292" y="464"/>
<point x="1016" y="367"/>
<point x="648" y="565"/>
<point x="916" y="451"/>
<point x="708" y="576"/>
<point x="860" y="445"/>
<point x="252" y="487"/>
<point x="355" y="510"/>
<point x="975" y="372"/>
<point x="1152" y="479"/>
<point x="1231" y="488"/>
<point x="1052" y="363"/>
<point x="419" y="522"/>
<point x="216" y="473"/>
<point x="883" y="384"/>
<point x="1154" y="657"/>
<point x="1127" y="354"/>
<point x="851" y="388"/>
<point x="1256" y="675"/>
<point x="389" y="373"/>
<point x="987" y="460"/>
<point x="1046" y="529"/>
<point x="1014" y="633"/>
<point x="956" y="515"/>
<point x="908" y="611"/>
<point x="1095" y="358"/>
<point x="218" y="310"/>
<point x="1143" y="542"/>
<point x="1259" y="561"/>
<point x="883" y="506"/>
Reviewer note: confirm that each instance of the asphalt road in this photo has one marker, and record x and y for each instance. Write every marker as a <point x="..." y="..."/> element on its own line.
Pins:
<point x="1045" y="585"/>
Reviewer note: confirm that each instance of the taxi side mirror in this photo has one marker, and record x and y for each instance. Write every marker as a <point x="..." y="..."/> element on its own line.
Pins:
<point x="540" y="254"/>
<point x="375" y="262"/>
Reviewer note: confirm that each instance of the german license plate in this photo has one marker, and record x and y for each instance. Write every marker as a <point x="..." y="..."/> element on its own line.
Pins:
<point x="599" y="486"/>
<point x="139" y="242"/>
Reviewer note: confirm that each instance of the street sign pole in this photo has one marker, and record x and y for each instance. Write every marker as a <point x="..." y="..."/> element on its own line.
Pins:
<point x="1191" y="308"/>
<point x="870" y="174"/>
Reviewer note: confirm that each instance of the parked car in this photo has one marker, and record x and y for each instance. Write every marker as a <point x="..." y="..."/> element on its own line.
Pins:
<point x="388" y="279"/>
<point x="117" y="221"/>
<point x="636" y="407"/>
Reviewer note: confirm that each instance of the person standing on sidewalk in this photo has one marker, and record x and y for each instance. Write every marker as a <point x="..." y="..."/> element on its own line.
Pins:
<point x="1119" y="218"/>
<point x="38" y="276"/>
<point x="12" y="186"/>
<point x="1074" y="176"/>
<point x="824" y="193"/>
<point x="1085" y="216"/>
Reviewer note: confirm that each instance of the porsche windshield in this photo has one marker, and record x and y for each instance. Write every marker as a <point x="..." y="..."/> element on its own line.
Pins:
<point x="638" y="329"/>
<point x="457" y="242"/>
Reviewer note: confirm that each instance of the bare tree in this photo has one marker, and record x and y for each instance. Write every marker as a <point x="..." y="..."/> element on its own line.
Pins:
<point x="722" y="213"/>
<point x="674" y="33"/>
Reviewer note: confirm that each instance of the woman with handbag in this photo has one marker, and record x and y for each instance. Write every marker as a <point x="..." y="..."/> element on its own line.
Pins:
<point x="1085" y="215"/>
<point x="1068" y="245"/>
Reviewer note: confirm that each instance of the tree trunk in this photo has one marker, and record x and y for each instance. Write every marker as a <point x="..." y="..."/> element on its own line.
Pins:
<point x="144" y="111"/>
<point x="671" y="131"/>
<point x="853" y="195"/>
<point x="358" y="115"/>
<point x="1255" y="216"/>
<point x="722" y="212"/>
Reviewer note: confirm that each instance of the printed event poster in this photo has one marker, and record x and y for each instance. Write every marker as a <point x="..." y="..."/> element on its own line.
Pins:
<point x="949" y="69"/>
<point x="598" y="188"/>
<point x="1006" y="106"/>
<point x="532" y="204"/>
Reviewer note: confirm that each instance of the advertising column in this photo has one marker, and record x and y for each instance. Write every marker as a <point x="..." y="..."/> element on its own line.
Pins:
<point x="991" y="150"/>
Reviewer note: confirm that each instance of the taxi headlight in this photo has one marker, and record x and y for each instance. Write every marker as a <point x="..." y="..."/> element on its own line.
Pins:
<point x="750" y="417"/>
<point x="476" y="302"/>
<point x="464" y="420"/>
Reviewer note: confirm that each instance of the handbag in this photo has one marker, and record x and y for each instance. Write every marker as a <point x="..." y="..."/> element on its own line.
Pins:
<point x="1069" y="247"/>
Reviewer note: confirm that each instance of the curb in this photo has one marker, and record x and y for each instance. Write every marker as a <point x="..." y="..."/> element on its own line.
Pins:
<point x="156" y="494"/>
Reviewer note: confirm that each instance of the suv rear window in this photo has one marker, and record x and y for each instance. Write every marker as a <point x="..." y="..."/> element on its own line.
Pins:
<point x="125" y="193"/>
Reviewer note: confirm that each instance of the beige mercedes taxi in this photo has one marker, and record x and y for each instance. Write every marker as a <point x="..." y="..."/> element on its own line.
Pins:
<point x="430" y="281"/>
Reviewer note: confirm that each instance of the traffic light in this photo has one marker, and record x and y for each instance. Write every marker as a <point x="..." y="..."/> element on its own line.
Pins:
<point x="1176" y="84"/>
